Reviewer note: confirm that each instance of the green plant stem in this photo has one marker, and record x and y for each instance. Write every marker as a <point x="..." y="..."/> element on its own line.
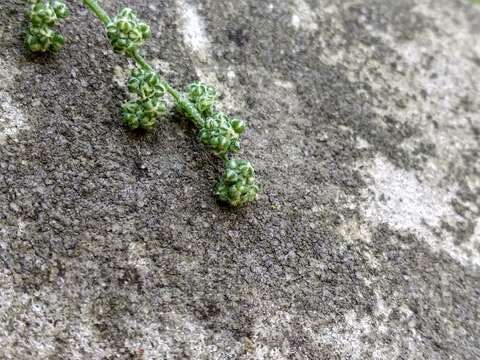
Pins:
<point x="97" y="10"/>
<point x="189" y="109"/>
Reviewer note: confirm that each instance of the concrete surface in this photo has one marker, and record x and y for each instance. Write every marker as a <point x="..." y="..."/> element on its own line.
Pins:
<point x="364" y="244"/>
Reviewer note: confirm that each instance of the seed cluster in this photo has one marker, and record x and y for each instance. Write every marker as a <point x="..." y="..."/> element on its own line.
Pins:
<point x="222" y="133"/>
<point x="218" y="130"/>
<point x="127" y="32"/>
<point x="203" y="97"/>
<point x="237" y="185"/>
<point x="44" y="15"/>
<point x="147" y="105"/>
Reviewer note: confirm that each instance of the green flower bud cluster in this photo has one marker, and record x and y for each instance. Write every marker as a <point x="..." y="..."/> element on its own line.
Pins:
<point x="237" y="185"/>
<point x="218" y="130"/>
<point x="143" y="111"/>
<point x="127" y="32"/>
<point x="222" y="133"/>
<point x="43" y="16"/>
<point x="203" y="97"/>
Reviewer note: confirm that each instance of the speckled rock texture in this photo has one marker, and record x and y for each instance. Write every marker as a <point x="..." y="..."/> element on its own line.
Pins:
<point x="364" y="127"/>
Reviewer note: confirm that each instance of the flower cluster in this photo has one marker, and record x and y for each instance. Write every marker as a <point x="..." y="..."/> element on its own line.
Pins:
<point x="222" y="133"/>
<point x="237" y="185"/>
<point x="143" y="111"/>
<point x="127" y="33"/>
<point x="203" y="97"/>
<point x="218" y="130"/>
<point x="43" y="16"/>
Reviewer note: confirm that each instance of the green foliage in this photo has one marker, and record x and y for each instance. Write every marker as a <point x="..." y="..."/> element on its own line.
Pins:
<point x="237" y="185"/>
<point x="127" y="33"/>
<point x="143" y="111"/>
<point x="44" y="15"/>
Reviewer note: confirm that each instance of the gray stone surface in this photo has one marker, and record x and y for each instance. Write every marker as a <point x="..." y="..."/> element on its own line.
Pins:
<point x="364" y="244"/>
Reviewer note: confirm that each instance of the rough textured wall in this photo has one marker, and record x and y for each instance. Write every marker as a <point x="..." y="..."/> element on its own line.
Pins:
<point x="364" y="126"/>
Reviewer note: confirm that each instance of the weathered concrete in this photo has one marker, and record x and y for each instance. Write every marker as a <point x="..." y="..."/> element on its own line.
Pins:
<point x="364" y="244"/>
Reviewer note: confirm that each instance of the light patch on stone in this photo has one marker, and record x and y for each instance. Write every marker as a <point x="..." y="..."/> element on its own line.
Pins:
<point x="284" y="84"/>
<point x="157" y="340"/>
<point x="303" y="17"/>
<point x="439" y="116"/>
<point x="194" y="29"/>
<point x="195" y="36"/>
<point x="350" y="338"/>
<point x="353" y="231"/>
<point x="476" y="233"/>
<point x="267" y="328"/>
<point x="121" y="76"/>
<point x="361" y="143"/>
<point x="231" y="74"/>
<point x="404" y="203"/>
<point x="162" y="66"/>
<point x="397" y="198"/>
<point x="430" y="104"/>
<point x="12" y="118"/>
<point x="457" y="78"/>
<point x="137" y="257"/>
<point x="22" y="312"/>
<point x="85" y="342"/>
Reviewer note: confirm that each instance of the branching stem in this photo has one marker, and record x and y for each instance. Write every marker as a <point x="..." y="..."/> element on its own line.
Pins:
<point x="126" y="34"/>
<point x="183" y="103"/>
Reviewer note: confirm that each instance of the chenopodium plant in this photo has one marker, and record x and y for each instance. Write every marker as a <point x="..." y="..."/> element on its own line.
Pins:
<point x="127" y="33"/>
<point x="44" y="15"/>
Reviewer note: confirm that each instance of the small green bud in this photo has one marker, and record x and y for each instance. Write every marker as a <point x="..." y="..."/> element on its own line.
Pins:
<point x="131" y="114"/>
<point x="44" y="15"/>
<point x="57" y="42"/>
<point x="238" y="125"/>
<point x="126" y="32"/>
<point x="222" y="133"/>
<point x="203" y="97"/>
<point x="127" y="13"/>
<point x="238" y="185"/>
<point x="131" y="121"/>
<point x="133" y="84"/>
<point x="61" y="10"/>
<point x="142" y="114"/>
<point x="147" y="123"/>
<point x="145" y="84"/>
<point x="148" y="89"/>
<point x="153" y="107"/>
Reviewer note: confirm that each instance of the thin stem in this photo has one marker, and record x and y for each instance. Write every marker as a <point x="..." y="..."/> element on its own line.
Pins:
<point x="98" y="10"/>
